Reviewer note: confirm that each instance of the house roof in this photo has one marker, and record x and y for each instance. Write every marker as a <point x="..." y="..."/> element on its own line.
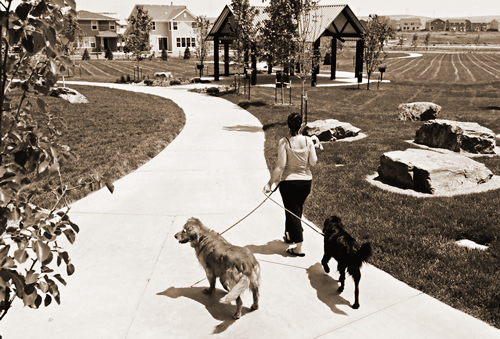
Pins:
<point x="107" y="34"/>
<point x="86" y="15"/>
<point x="330" y="20"/>
<point x="164" y="12"/>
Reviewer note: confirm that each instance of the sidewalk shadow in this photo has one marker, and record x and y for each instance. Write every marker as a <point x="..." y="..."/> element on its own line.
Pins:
<point x="219" y="311"/>
<point x="272" y="247"/>
<point x="326" y="288"/>
<point x="243" y="128"/>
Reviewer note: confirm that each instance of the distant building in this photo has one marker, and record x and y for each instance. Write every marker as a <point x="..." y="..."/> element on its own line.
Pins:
<point x="458" y="25"/>
<point x="479" y="25"/>
<point x="100" y="32"/>
<point x="173" y="28"/>
<point x="121" y="27"/>
<point x="493" y="25"/>
<point x="435" y="25"/>
<point x="410" y="24"/>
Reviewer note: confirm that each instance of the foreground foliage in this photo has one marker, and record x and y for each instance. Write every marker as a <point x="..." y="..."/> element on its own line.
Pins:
<point x="31" y="155"/>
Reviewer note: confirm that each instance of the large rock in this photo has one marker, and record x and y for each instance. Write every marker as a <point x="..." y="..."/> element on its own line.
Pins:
<point x="431" y="172"/>
<point x="418" y="111"/>
<point x="69" y="94"/>
<point x="330" y="129"/>
<point x="457" y="136"/>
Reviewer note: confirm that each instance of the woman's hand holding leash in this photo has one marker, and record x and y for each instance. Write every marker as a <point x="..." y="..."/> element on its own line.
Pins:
<point x="267" y="189"/>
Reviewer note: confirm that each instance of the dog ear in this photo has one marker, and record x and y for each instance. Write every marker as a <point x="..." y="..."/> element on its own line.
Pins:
<point x="194" y="234"/>
<point x="336" y="219"/>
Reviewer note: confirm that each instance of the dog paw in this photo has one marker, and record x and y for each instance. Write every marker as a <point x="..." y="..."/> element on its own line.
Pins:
<point x="341" y="289"/>
<point x="326" y="268"/>
<point x="237" y="315"/>
<point x="208" y="290"/>
<point x="254" y="307"/>
<point x="355" y="306"/>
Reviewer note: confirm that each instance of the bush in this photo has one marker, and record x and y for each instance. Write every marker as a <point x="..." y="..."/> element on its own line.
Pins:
<point x="187" y="53"/>
<point x="108" y="55"/>
<point x="148" y="82"/>
<point x="122" y="79"/>
<point x="328" y="59"/>
<point x="128" y="78"/>
<point x="213" y="90"/>
<point x="164" y="55"/>
<point x="85" y="55"/>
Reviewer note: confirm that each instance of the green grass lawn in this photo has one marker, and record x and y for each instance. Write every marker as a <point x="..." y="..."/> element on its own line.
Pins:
<point x="413" y="238"/>
<point x="114" y="134"/>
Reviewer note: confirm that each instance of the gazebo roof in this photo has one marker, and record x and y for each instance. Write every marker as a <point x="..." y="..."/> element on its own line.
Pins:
<point x="331" y="20"/>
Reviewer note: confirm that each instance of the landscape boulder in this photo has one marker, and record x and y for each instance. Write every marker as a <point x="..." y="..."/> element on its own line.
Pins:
<point x="457" y="136"/>
<point x="431" y="172"/>
<point x="418" y="111"/>
<point x="69" y="94"/>
<point x="330" y="129"/>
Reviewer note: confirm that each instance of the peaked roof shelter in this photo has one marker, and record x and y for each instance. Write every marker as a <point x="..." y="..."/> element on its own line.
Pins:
<point x="335" y="21"/>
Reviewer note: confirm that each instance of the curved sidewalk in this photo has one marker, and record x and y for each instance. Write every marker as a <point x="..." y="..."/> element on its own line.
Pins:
<point x="134" y="280"/>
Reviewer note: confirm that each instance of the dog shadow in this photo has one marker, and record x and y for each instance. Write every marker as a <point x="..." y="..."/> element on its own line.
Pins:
<point x="219" y="311"/>
<point x="326" y="288"/>
<point x="272" y="247"/>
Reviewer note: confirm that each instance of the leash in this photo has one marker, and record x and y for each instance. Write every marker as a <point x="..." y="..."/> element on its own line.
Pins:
<point x="246" y="216"/>
<point x="268" y="197"/>
<point x="314" y="228"/>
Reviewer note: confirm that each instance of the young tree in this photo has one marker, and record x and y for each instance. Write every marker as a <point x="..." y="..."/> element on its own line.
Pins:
<point x="141" y="25"/>
<point x="476" y="41"/>
<point x="427" y="41"/>
<point x="244" y="32"/>
<point x="164" y="55"/>
<point x="108" y="54"/>
<point x="71" y="29"/>
<point x="201" y="49"/>
<point x="414" y="42"/>
<point x="31" y="156"/>
<point x="377" y="30"/>
<point x="187" y="53"/>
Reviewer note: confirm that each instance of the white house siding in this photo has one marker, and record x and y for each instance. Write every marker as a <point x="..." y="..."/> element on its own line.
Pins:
<point x="161" y="31"/>
<point x="184" y="30"/>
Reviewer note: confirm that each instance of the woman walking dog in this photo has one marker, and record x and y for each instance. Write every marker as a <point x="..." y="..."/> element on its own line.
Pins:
<point x="293" y="175"/>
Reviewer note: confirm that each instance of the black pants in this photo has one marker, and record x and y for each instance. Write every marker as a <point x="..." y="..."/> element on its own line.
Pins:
<point x="294" y="194"/>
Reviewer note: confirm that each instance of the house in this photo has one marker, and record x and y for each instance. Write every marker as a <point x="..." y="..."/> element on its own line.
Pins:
<point x="458" y="25"/>
<point x="478" y="25"/>
<point x="174" y="28"/>
<point x="493" y="25"/>
<point x="435" y="25"/>
<point x="121" y="27"/>
<point x="100" y="32"/>
<point x="410" y="24"/>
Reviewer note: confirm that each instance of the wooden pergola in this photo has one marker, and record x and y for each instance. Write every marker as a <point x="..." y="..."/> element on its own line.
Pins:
<point x="335" y="21"/>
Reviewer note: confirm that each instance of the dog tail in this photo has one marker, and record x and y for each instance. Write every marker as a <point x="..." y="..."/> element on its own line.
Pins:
<point x="237" y="290"/>
<point x="364" y="252"/>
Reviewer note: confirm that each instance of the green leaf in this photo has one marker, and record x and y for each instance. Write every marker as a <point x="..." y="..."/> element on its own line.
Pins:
<point x="29" y="299"/>
<point x="21" y="256"/>
<point x="31" y="277"/>
<point x="110" y="187"/>
<point x="42" y="250"/>
<point x="41" y="103"/>
<point x="23" y="10"/>
<point x="44" y="287"/>
<point x="48" y="300"/>
<point x="61" y="280"/>
<point x="65" y="257"/>
<point x="40" y="9"/>
<point x="70" y="235"/>
<point x="4" y="252"/>
<point x="70" y="269"/>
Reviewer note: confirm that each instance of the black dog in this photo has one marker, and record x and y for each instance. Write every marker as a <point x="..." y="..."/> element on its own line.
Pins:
<point x="349" y="255"/>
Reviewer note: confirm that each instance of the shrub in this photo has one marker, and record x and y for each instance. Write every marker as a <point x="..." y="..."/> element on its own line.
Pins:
<point x="213" y="90"/>
<point x="187" y="53"/>
<point x="175" y="82"/>
<point x="128" y="78"/>
<point x="328" y="59"/>
<point x="122" y="79"/>
<point x="148" y="82"/>
<point x="85" y="55"/>
<point x="108" y="55"/>
<point x="164" y="55"/>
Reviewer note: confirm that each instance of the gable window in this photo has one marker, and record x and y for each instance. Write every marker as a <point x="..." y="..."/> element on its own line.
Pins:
<point x="175" y="25"/>
<point x="154" y="26"/>
<point x="93" y="25"/>
<point x="111" y="25"/>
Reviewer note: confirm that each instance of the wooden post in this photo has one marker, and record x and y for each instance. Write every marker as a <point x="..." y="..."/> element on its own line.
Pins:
<point x="333" y="59"/>
<point x="360" y="46"/>
<point x="254" y="65"/>
<point x="315" y="65"/>
<point x="226" y="58"/>
<point x="216" y="58"/>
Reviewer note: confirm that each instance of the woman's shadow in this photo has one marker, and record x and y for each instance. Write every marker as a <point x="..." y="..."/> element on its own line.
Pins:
<point x="272" y="247"/>
<point x="326" y="288"/>
<point x="217" y="310"/>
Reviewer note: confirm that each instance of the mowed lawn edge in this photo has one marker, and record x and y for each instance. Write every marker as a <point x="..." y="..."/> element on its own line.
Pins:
<point x="413" y="238"/>
<point x="114" y="134"/>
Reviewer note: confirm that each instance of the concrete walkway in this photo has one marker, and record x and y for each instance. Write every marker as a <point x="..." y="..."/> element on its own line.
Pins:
<point x="134" y="280"/>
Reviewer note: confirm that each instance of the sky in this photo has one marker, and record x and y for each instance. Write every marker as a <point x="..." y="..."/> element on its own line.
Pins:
<point x="212" y="8"/>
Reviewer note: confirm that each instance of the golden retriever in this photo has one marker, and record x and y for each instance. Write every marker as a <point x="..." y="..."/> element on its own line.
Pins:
<point x="236" y="267"/>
